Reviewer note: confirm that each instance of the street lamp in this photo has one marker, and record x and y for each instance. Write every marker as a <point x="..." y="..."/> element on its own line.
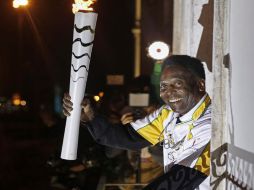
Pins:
<point x="19" y="3"/>
<point x="158" y="51"/>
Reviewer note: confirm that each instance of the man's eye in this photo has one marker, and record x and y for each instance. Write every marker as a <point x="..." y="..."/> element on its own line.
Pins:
<point x="178" y="83"/>
<point x="162" y="87"/>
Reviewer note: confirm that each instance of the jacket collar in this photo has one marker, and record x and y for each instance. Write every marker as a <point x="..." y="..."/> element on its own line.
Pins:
<point x="197" y="110"/>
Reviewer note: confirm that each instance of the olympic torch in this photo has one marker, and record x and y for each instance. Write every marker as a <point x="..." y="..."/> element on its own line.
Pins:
<point x="83" y="37"/>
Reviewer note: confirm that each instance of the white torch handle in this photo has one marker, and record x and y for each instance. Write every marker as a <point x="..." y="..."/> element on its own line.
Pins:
<point x="83" y="36"/>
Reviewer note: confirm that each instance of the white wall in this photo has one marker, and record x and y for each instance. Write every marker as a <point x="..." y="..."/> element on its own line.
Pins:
<point x="242" y="60"/>
<point x="241" y="146"/>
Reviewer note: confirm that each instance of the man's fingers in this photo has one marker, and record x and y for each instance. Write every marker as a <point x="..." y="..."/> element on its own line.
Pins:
<point x="67" y="96"/>
<point x="67" y="102"/>
<point x="87" y="110"/>
<point x="85" y="102"/>
<point x="65" y="112"/>
<point x="67" y="107"/>
<point x="126" y="115"/>
<point x="127" y="118"/>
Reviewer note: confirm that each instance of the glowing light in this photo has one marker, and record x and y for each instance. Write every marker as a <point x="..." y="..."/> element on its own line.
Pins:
<point x="17" y="3"/>
<point x="23" y="103"/>
<point x="82" y="5"/>
<point x="16" y="99"/>
<point x="96" y="98"/>
<point x="101" y="94"/>
<point x="16" y="102"/>
<point x="158" y="50"/>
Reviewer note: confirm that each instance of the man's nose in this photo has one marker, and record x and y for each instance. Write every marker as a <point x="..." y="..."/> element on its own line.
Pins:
<point x="170" y="90"/>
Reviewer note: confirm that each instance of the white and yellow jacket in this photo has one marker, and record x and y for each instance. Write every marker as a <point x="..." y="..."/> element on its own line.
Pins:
<point x="186" y="142"/>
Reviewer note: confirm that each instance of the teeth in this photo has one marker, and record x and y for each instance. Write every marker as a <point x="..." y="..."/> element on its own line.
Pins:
<point x="175" y="100"/>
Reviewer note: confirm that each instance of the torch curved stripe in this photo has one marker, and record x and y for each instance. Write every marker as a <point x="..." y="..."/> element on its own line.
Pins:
<point x="83" y="44"/>
<point x="76" y="70"/>
<point x="80" y="56"/>
<point x="73" y="80"/>
<point x="88" y="27"/>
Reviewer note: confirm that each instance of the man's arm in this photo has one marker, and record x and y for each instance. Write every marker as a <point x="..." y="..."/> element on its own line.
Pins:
<point x="117" y="136"/>
<point x="103" y="132"/>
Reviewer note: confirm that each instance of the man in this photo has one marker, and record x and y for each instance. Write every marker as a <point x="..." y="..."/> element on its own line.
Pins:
<point x="182" y="125"/>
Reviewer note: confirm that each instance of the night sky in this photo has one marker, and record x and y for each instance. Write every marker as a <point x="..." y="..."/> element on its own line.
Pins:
<point x="36" y="44"/>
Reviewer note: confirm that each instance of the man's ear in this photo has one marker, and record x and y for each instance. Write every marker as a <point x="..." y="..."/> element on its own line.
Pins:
<point x="201" y="85"/>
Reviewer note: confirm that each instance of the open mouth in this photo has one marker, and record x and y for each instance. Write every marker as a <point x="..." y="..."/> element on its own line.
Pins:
<point x="175" y="100"/>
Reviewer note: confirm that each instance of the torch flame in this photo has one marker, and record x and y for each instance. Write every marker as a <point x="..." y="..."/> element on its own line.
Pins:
<point x="18" y="3"/>
<point x="82" y="5"/>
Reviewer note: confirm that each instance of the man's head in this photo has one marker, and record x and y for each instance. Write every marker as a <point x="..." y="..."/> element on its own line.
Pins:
<point x="182" y="82"/>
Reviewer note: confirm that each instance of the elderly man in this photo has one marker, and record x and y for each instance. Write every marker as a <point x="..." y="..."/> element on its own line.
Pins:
<point x="182" y="125"/>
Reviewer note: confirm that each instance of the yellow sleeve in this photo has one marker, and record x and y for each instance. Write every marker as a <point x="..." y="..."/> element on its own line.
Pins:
<point x="151" y="127"/>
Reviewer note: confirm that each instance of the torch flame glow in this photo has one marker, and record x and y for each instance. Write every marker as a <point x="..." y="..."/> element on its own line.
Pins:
<point x="18" y="3"/>
<point x="82" y="5"/>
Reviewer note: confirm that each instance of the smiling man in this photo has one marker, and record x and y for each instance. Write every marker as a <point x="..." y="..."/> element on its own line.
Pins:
<point x="180" y="87"/>
<point x="182" y="125"/>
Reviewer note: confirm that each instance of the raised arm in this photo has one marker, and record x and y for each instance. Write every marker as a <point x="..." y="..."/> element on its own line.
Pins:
<point x="104" y="132"/>
<point x="117" y="136"/>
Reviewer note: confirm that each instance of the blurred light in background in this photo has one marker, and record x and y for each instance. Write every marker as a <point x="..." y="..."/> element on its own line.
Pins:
<point x="23" y="103"/>
<point x="96" y="98"/>
<point x="101" y="94"/>
<point x="16" y="102"/>
<point x="158" y="50"/>
<point x="16" y="99"/>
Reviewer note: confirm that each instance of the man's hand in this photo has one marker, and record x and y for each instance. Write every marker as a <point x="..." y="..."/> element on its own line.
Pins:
<point x="67" y="105"/>
<point x="127" y="118"/>
<point x="87" y="112"/>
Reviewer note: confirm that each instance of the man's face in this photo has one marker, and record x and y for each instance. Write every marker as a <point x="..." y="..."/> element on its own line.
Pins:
<point x="180" y="89"/>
